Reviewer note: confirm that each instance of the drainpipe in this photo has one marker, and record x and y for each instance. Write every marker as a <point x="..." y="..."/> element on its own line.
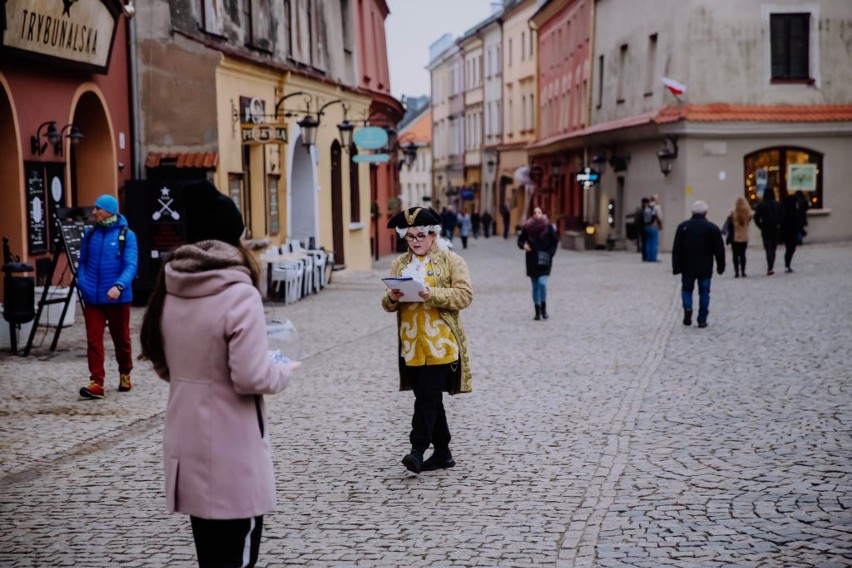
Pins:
<point x="136" y="138"/>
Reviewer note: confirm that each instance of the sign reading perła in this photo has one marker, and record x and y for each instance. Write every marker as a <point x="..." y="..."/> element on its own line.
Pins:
<point x="79" y="31"/>
<point x="370" y="138"/>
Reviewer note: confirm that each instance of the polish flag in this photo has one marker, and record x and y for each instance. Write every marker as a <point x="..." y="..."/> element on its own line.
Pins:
<point x="673" y="86"/>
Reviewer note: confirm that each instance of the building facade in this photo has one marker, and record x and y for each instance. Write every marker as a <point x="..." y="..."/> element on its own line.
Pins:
<point x="416" y="178"/>
<point x="767" y="106"/>
<point x="492" y="46"/>
<point x="520" y="110"/>
<point x="65" y="116"/>
<point x="564" y="40"/>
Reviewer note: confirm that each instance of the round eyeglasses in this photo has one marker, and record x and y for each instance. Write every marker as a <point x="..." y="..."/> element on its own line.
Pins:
<point x="418" y="238"/>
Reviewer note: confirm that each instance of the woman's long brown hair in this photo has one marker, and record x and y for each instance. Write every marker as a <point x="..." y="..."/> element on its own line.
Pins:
<point x="151" y="333"/>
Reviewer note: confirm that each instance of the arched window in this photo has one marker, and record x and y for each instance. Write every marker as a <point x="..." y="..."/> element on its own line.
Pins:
<point x="788" y="168"/>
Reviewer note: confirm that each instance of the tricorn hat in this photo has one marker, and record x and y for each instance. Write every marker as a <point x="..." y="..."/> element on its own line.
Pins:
<point x="414" y="217"/>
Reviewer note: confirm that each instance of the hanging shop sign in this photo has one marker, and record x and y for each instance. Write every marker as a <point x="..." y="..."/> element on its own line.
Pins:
<point x="588" y="177"/>
<point x="80" y="32"/>
<point x="264" y="133"/>
<point x="253" y="126"/>
<point x="370" y="138"/>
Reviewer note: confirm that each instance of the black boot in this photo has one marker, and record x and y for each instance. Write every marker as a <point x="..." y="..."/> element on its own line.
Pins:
<point x="544" y="310"/>
<point x="440" y="459"/>
<point x="414" y="460"/>
<point x="537" y="312"/>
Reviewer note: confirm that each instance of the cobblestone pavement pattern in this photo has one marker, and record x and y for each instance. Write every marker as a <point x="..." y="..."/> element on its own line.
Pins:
<point x="609" y="435"/>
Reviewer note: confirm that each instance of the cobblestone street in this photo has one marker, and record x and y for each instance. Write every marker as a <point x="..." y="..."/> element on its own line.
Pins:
<point x="609" y="435"/>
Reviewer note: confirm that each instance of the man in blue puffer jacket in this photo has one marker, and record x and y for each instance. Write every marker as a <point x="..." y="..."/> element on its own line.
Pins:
<point x="108" y="261"/>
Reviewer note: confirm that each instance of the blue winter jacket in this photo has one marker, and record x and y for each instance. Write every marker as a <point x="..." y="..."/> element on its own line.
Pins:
<point x="103" y="264"/>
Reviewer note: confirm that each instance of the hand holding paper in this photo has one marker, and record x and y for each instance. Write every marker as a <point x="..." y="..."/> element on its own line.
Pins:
<point x="409" y="287"/>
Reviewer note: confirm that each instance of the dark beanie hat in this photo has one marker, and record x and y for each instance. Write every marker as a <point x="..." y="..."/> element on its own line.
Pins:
<point x="414" y="217"/>
<point x="211" y="215"/>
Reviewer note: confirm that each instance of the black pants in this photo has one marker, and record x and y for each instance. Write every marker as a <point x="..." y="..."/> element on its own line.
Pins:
<point x="429" y="423"/>
<point x="738" y="251"/>
<point x="231" y="543"/>
<point x="789" y="250"/>
<point x="769" y="245"/>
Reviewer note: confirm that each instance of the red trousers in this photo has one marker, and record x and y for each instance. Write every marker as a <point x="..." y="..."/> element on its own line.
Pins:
<point x="98" y="317"/>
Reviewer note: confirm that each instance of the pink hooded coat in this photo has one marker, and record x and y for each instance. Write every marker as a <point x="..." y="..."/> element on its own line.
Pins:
<point x="216" y="452"/>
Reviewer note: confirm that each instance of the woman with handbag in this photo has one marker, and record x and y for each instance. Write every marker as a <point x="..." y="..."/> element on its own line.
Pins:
<point x="538" y="238"/>
<point x="737" y="235"/>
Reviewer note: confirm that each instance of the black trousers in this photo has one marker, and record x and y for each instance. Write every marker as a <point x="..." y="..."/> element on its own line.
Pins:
<point x="739" y="254"/>
<point x="789" y="250"/>
<point x="769" y="245"/>
<point x="231" y="543"/>
<point x="429" y="423"/>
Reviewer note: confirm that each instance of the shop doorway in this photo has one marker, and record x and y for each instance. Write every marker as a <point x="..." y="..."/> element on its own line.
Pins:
<point x="301" y="193"/>
<point x="337" y="202"/>
<point x="92" y="162"/>
<point x="11" y="197"/>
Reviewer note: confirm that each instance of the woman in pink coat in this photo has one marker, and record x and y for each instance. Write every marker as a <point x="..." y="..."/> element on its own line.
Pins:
<point x="205" y="333"/>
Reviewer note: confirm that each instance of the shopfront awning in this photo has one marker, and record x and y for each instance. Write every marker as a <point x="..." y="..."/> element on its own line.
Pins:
<point x="202" y="160"/>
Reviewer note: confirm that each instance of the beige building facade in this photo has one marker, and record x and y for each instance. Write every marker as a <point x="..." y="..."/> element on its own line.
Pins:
<point x="767" y="107"/>
<point x="520" y="108"/>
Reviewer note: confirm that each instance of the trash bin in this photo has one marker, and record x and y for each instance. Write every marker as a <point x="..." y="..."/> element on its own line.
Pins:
<point x="18" y="293"/>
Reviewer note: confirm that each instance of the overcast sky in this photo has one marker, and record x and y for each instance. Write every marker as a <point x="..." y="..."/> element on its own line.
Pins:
<point x="413" y="25"/>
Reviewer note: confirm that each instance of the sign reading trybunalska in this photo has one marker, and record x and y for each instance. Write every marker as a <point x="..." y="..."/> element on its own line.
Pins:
<point x="76" y="31"/>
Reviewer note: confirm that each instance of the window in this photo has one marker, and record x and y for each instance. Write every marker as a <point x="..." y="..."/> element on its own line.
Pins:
<point x="787" y="168"/>
<point x="789" y="43"/>
<point x="509" y="62"/>
<point x="600" y="80"/>
<point x="523" y="44"/>
<point x="622" y="71"/>
<point x="532" y="38"/>
<point x="531" y="123"/>
<point x="650" y="65"/>
<point x="273" y="222"/>
<point x="209" y="16"/>
<point x="237" y="192"/>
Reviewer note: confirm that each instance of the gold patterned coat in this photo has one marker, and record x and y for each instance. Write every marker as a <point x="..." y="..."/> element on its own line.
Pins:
<point x="452" y="293"/>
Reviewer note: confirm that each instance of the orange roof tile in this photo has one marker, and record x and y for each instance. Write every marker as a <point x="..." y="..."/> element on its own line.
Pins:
<point x="204" y="160"/>
<point x="722" y="112"/>
<point x="418" y="131"/>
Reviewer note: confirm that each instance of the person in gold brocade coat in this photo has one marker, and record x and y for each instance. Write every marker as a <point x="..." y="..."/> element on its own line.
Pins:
<point x="433" y="355"/>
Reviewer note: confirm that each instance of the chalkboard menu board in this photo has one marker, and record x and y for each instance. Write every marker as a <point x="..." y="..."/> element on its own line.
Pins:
<point x="36" y="208"/>
<point x="72" y="238"/>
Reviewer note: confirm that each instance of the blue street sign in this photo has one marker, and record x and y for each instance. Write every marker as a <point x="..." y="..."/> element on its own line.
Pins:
<point x="371" y="158"/>
<point x="370" y="138"/>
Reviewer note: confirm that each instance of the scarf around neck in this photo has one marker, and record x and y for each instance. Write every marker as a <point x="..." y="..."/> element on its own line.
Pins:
<point x="208" y="255"/>
<point x="536" y="227"/>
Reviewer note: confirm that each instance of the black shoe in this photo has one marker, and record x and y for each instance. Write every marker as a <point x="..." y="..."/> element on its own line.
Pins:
<point x="788" y="270"/>
<point x="537" y="312"/>
<point x="439" y="460"/>
<point x="414" y="461"/>
<point x="687" y="316"/>
<point x="543" y="310"/>
<point x="702" y="324"/>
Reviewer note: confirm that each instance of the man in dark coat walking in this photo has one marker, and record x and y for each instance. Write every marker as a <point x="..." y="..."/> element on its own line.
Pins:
<point x="697" y="242"/>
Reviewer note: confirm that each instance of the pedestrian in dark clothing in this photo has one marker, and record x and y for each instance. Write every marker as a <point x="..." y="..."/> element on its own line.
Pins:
<point x="697" y="243"/>
<point x="107" y="267"/>
<point x="486" y="224"/>
<point x="639" y="224"/>
<point x="767" y="217"/>
<point x="449" y="219"/>
<point x="538" y="238"/>
<point x="475" y="223"/>
<point x="791" y="229"/>
<point x="504" y="212"/>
